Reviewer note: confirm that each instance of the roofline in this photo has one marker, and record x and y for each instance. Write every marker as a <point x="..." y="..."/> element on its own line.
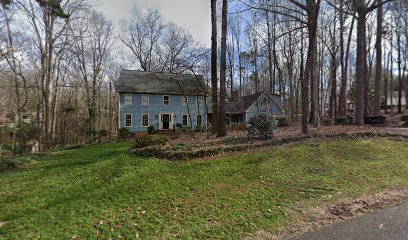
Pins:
<point x="163" y="72"/>
<point x="161" y="93"/>
<point x="273" y="100"/>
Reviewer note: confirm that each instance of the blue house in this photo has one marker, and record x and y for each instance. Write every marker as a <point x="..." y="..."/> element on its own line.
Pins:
<point x="165" y="100"/>
<point x="161" y="100"/>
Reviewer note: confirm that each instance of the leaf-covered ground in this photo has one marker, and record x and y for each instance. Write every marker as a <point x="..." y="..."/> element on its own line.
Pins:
<point x="103" y="192"/>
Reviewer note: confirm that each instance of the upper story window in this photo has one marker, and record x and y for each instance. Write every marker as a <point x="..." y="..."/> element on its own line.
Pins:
<point x="199" y="100"/>
<point x="128" y="99"/>
<point x="145" y="99"/>
<point x="265" y="102"/>
<point x="184" y="100"/>
<point x="128" y="120"/>
<point x="166" y="100"/>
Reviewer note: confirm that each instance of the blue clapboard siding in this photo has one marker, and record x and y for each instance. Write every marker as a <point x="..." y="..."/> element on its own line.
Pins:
<point x="156" y="107"/>
<point x="273" y="108"/>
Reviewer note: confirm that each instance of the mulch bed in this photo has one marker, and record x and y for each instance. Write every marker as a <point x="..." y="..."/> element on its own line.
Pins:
<point x="198" y="145"/>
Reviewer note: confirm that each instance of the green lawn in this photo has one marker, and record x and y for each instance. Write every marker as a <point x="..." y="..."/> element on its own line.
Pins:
<point x="102" y="191"/>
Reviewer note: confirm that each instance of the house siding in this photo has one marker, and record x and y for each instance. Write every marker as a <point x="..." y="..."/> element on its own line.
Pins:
<point x="155" y="107"/>
<point x="256" y="107"/>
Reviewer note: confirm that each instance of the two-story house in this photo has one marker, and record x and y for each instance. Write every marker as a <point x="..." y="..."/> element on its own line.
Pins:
<point x="165" y="100"/>
<point x="161" y="100"/>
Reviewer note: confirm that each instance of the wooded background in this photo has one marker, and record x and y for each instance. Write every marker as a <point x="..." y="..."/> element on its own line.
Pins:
<point x="59" y="61"/>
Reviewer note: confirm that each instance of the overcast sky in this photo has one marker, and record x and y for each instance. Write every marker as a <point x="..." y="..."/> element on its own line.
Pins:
<point x="193" y="15"/>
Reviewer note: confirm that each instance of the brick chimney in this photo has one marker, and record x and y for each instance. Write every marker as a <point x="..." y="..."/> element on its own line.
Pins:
<point x="235" y="96"/>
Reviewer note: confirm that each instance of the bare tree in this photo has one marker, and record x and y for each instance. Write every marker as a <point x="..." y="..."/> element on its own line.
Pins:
<point x="214" y="78"/>
<point x="141" y="34"/>
<point x="222" y="127"/>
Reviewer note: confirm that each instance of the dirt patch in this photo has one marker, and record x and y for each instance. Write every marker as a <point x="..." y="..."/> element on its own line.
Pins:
<point x="314" y="218"/>
<point x="2" y="224"/>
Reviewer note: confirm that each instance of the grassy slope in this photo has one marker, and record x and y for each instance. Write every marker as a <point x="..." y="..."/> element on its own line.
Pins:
<point x="103" y="191"/>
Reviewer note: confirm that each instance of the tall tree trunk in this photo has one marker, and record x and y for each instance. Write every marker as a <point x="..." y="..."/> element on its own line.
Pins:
<point x="333" y="92"/>
<point x="361" y="62"/>
<point x="378" y="64"/>
<point x="400" y="83"/>
<point x="214" y="80"/>
<point x="386" y="84"/>
<point x="268" y="23"/>
<point x="343" y="85"/>
<point x="313" y="13"/>
<point x="222" y="129"/>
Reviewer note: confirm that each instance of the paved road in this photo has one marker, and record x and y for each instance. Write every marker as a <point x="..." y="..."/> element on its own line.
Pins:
<point x="390" y="223"/>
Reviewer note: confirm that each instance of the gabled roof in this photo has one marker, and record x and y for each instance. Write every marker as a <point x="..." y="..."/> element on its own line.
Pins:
<point x="168" y="83"/>
<point x="245" y="103"/>
<point x="248" y="100"/>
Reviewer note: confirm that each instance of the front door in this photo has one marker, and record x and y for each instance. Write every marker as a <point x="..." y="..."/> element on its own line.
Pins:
<point x="166" y="121"/>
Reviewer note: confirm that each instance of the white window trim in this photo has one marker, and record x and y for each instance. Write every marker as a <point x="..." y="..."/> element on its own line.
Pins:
<point x="198" y="100"/>
<point x="201" y="122"/>
<point x="182" y="117"/>
<point x="148" y="120"/>
<point x="131" y="99"/>
<point x="148" y="99"/>
<point x="163" y="100"/>
<point x="131" y="119"/>
<point x="184" y="101"/>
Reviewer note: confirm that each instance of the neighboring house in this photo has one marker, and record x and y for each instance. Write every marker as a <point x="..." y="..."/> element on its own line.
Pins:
<point x="392" y="99"/>
<point x="241" y="110"/>
<point x="162" y="100"/>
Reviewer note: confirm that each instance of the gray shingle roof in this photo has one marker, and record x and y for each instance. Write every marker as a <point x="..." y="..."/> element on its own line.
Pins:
<point x="248" y="100"/>
<point x="243" y="105"/>
<point x="169" y="83"/>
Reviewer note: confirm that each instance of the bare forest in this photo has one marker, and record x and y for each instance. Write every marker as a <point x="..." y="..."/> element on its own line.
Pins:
<point x="328" y="59"/>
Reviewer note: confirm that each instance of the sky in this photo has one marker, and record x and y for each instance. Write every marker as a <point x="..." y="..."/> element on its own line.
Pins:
<point x="192" y="15"/>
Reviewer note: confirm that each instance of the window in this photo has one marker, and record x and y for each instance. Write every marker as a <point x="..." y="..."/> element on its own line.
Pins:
<point x="264" y="103"/>
<point x="145" y="120"/>
<point x="184" y="100"/>
<point x="166" y="100"/>
<point x="128" y="99"/>
<point x="199" y="100"/>
<point x="199" y="120"/>
<point x="185" y="120"/>
<point x="128" y="120"/>
<point x="228" y="120"/>
<point x="145" y="99"/>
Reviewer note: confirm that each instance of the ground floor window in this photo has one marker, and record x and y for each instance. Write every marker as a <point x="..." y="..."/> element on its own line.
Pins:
<point x="145" y="120"/>
<point x="185" y="119"/>
<point x="128" y="120"/>
<point x="199" y="120"/>
<point x="209" y="118"/>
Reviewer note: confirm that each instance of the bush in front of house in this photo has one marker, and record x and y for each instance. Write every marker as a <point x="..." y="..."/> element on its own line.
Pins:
<point x="342" y="121"/>
<point x="405" y="119"/>
<point x="328" y="122"/>
<point x="374" y="119"/>
<point x="124" y="133"/>
<point x="262" y="125"/>
<point x="283" y="122"/>
<point x="150" y="140"/>
<point x="150" y="129"/>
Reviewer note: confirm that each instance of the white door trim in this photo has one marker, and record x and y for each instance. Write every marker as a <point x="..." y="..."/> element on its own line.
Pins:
<point x="170" y="122"/>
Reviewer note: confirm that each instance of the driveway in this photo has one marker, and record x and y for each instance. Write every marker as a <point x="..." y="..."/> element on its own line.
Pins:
<point x="389" y="223"/>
